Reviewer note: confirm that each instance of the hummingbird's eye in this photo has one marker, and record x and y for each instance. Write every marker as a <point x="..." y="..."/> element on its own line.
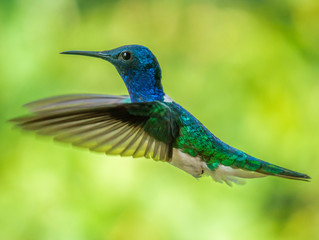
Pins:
<point x="126" y="55"/>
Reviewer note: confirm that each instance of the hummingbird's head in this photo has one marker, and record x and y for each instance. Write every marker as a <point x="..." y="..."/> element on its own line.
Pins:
<point x="137" y="66"/>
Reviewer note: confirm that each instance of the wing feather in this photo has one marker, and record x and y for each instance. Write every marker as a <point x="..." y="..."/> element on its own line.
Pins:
<point x="127" y="151"/>
<point x="105" y="123"/>
<point x="75" y="101"/>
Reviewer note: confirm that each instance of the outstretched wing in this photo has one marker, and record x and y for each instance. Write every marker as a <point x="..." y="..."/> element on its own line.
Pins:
<point x="75" y="101"/>
<point x="128" y="129"/>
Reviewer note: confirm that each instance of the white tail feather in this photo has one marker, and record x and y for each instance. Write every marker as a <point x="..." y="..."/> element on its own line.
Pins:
<point x="230" y="175"/>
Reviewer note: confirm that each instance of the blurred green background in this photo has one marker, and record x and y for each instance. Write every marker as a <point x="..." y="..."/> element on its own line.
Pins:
<point x="249" y="70"/>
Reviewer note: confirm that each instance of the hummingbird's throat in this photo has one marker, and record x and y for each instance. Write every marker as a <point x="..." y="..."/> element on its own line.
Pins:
<point x="144" y="87"/>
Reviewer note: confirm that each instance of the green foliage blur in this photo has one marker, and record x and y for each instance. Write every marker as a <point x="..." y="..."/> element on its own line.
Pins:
<point x="248" y="70"/>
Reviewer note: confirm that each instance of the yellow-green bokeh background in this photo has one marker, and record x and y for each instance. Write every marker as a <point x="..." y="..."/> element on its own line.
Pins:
<point x="247" y="69"/>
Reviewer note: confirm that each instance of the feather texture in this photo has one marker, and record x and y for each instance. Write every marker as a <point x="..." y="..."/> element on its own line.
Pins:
<point x="127" y="129"/>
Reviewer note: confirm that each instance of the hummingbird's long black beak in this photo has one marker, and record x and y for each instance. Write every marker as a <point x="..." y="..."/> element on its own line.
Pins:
<point x="102" y="54"/>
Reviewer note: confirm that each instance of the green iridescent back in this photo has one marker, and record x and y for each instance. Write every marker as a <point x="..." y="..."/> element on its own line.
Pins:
<point x="196" y="140"/>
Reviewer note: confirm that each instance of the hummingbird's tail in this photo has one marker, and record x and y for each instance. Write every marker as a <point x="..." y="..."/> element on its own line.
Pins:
<point x="237" y="166"/>
<point x="254" y="164"/>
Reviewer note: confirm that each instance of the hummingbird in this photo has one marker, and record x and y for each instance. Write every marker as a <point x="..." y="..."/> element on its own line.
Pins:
<point x="145" y="123"/>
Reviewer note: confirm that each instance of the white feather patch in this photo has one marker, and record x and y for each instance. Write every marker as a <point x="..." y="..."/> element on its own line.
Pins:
<point x="189" y="164"/>
<point x="167" y="99"/>
<point x="196" y="167"/>
<point x="230" y="175"/>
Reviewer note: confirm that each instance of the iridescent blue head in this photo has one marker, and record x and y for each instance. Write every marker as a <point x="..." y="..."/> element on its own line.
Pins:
<point x="138" y="68"/>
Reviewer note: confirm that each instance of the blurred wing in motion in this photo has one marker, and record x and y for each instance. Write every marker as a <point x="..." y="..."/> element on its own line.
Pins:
<point x="105" y="124"/>
<point x="75" y="101"/>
